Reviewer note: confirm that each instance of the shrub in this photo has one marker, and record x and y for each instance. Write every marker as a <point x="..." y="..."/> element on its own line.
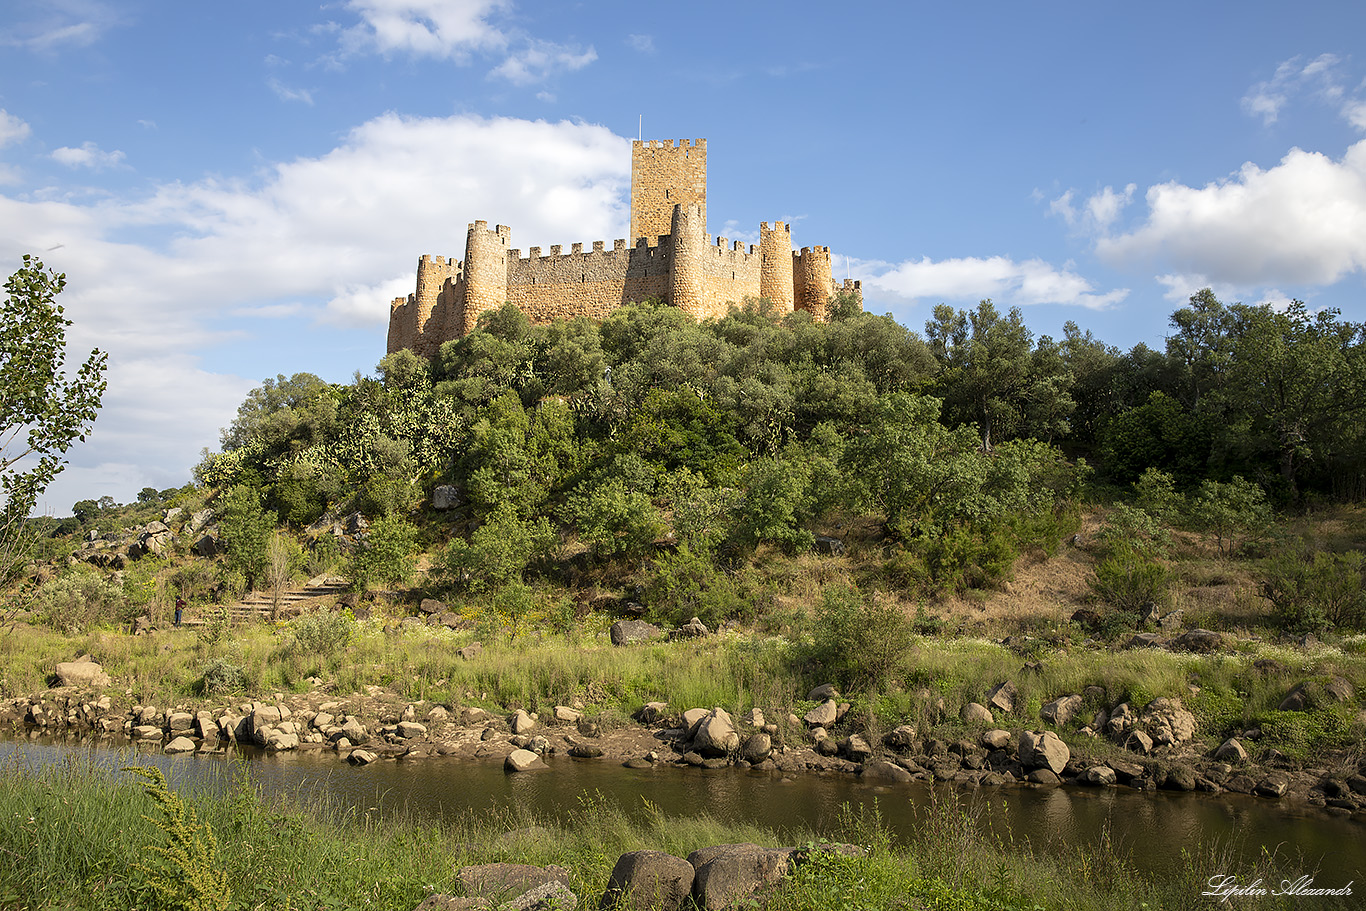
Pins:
<point x="1129" y="577"/>
<point x="222" y="677"/>
<point x="385" y="555"/>
<point x="321" y="632"/>
<point x="185" y="875"/>
<point x="684" y="584"/>
<point x="859" y="640"/>
<point x="80" y="601"/>
<point x="1311" y="595"/>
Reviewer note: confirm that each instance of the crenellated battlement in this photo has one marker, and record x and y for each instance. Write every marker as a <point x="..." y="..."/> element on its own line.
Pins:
<point x="669" y="255"/>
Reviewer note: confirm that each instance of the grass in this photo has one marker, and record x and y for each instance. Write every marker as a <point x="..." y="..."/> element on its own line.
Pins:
<point x="55" y="852"/>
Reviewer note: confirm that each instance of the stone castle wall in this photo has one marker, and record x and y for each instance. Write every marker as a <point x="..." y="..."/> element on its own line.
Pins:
<point x="672" y="259"/>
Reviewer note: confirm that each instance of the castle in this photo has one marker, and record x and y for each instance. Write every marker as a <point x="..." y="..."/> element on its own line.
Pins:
<point x="672" y="258"/>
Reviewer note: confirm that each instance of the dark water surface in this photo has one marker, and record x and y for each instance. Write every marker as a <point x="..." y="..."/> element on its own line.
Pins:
<point x="1152" y="829"/>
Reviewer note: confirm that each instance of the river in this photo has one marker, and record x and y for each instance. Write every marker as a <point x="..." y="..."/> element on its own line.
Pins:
<point x="1153" y="829"/>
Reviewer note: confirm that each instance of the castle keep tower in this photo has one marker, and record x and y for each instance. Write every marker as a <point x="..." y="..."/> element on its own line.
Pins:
<point x="670" y="257"/>
<point x="665" y="175"/>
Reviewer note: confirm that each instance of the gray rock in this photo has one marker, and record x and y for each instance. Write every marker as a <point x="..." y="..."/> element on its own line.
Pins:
<point x="567" y="715"/>
<point x="883" y="771"/>
<point x="82" y="672"/>
<point x="1043" y="750"/>
<point x="180" y="745"/>
<point x="180" y="722"/>
<point x="855" y="748"/>
<point x="523" y="761"/>
<point x="361" y="757"/>
<point x="996" y="739"/>
<point x="648" y="881"/>
<point x="626" y="632"/>
<point x="1231" y="751"/>
<point x="1198" y="640"/>
<point x="502" y="881"/>
<point x="693" y="629"/>
<point x="1275" y="784"/>
<point x="431" y="606"/>
<point x="822" y="715"/>
<point x="823" y="692"/>
<point x="552" y="896"/>
<point x="756" y="748"/>
<point x="411" y="730"/>
<point x="901" y="738"/>
<point x="1061" y="710"/>
<point x="354" y="731"/>
<point x="1100" y="776"/>
<point x="446" y="496"/>
<point x="976" y="713"/>
<point x="1168" y="721"/>
<point x="1138" y="742"/>
<point x="521" y="722"/>
<point x="715" y="734"/>
<point x="471" y="651"/>
<point x="726" y="875"/>
<point x="1002" y="697"/>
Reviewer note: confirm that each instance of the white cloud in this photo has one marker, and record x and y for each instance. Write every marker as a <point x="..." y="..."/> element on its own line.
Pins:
<point x="1004" y="280"/>
<point x="455" y="30"/>
<point x="645" y="44"/>
<point x="285" y="93"/>
<point x="12" y="129"/>
<point x="1320" y="78"/>
<point x="1099" y="211"/>
<point x="88" y="155"/>
<point x="425" y="28"/>
<point x="539" y="59"/>
<point x="59" y="24"/>
<point x="330" y="239"/>
<point x="1300" y="222"/>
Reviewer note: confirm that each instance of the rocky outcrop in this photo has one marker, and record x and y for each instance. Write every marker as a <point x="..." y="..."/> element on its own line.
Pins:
<point x="628" y="632"/>
<point x="648" y="881"/>
<point x="82" y="672"/>
<point x="727" y="875"/>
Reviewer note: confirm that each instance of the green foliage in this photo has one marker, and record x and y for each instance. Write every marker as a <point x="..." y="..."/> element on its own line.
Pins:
<point x="185" y="875"/>
<point x="80" y="602"/>
<point x="1234" y="512"/>
<point x="246" y="529"/>
<point x="43" y="411"/>
<point x="776" y="506"/>
<point x="1130" y="576"/>
<point x="499" y="551"/>
<point x="222" y="676"/>
<point x="686" y="584"/>
<point x="385" y="554"/>
<point x="859" y="640"/>
<point x="321" y="633"/>
<point x="1311" y="594"/>
<point x="614" y="517"/>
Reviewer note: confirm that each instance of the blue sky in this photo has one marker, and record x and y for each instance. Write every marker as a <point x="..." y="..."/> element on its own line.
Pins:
<point x="237" y="191"/>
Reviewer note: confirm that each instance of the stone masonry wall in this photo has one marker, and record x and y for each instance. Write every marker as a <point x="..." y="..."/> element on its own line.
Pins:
<point x="664" y="175"/>
<point x="592" y="283"/>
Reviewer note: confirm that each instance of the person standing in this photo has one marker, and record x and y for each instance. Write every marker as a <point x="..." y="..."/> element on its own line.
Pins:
<point x="179" y="609"/>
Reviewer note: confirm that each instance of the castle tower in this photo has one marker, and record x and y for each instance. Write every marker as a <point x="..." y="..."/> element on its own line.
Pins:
<point x="486" y="271"/>
<point x="811" y="278"/>
<point x="432" y="272"/>
<point x="686" y="281"/>
<point x="775" y="269"/>
<point x="664" y="175"/>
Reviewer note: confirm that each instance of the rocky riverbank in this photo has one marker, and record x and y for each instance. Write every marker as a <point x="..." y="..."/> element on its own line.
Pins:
<point x="1145" y="748"/>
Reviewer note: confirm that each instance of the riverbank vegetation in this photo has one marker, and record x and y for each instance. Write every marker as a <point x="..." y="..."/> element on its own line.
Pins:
<point x="289" y="854"/>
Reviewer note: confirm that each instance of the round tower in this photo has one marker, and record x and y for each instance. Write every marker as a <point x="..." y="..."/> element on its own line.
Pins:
<point x="688" y="228"/>
<point x="814" y="282"/>
<point x="775" y="265"/>
<point x="486" y="271"/>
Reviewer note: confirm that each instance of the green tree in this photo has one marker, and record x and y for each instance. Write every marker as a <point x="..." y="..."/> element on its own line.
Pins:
<point x="246" y="529"/>
<point x="385" y="554"/>
<point x="43" y="411"/>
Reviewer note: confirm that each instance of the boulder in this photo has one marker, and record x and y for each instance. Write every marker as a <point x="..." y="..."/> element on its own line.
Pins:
<point x="823" y="692"/>
<point x="855" y="748"/>
<point x="976" y="713"/>
<point x="1273" y="785"/>
<point x="692" y="717"/>
<point x="901" y="738"/>
<point x="411" y="730"/>
<point x="1198" y="640"/>
<point x="82" y="672"/>
<point x="715" y="734"/>
<point x="626" y="632"/>
<point x="648" y="881"/>
<point x="471" y="651"/>
<point x="882" y="771"/>
<point x="652" y="712"/>
<point x="521" y="722"/>
<point x="361" y="757"/>
<point x="354" y="731"/>
<point x="822" y="715"/>
<point x="727" y="875"/>
<point x="552" y="896"/>
<point x="501" y="881"/>
<point x="523" y="761"/>
<point x="996" y="739"/>
<point x="1138" y="742"/>
<point x="180" y="722"/>
<point x="1002" y="697"/>
<point x="180" y="745"/>
<point x="446" y="496"/>
<point x="566" y="715"/>
<point x="1061" y="710"/>
<point x="1145" y="640"/>
<point x="1231" y="750"/>
<point x="206" y="546"/>
<point x="1101" y="776"/>
<point x="829" y="545"/>
<point x="693" y="629"/>
<point x="1179" y="778"/>
<point x="431" y="606"/>
<point x="1045" y="750"/>
<point x="1168" y="721"/>
<point x="756" y="748"/>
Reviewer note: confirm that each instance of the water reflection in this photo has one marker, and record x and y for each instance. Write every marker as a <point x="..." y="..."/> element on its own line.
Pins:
<point x="1153" y="829"/>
